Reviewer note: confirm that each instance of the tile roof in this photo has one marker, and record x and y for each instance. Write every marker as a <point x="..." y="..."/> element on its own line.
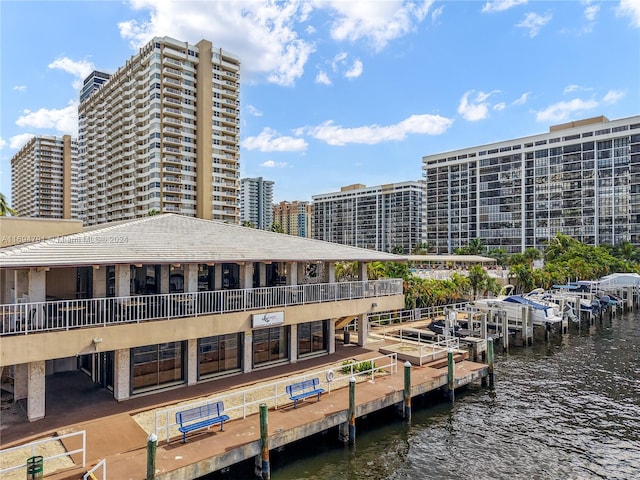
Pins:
<point x="171" y="238"/>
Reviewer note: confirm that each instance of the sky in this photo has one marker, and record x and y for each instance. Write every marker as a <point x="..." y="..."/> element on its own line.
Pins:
<point x="337" y="92"/>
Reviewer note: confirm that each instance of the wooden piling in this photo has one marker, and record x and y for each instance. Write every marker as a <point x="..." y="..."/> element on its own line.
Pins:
<point x="407" y="391"/>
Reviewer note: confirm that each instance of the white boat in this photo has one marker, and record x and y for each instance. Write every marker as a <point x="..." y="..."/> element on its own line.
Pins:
<point x="542" y="314"/>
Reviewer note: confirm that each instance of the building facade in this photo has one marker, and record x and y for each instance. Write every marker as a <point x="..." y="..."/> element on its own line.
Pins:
<point x="162" y="135"/>
<point x="164" y="301"/>
<point x="295" y="217"/>
<point x="384" y="218"/>
<point x="44" y="178"/>
<point x="581" y="179"/>
<point x="92" y="83"/>
<point x="256" y="202"/>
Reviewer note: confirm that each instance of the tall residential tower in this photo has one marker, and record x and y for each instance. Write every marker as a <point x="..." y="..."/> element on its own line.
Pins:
<point x="44" y="178"/>
<point x="385" y="218"/>
<point x="162" y="135"/>
<point x="256" y="202"/>
<point x="295" y="217"/>
<point x="581" y="179"/>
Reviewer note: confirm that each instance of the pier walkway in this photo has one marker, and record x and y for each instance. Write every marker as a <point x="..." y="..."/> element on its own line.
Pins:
<point x="114" y="435"/>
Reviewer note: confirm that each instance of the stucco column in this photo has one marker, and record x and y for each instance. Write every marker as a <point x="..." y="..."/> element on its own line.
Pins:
<point x="363" y="329"/>
<point x="192" y="361"/>
<point x="362" y="271"/>
<point x="21" y="282"/>
<point x="123" y="281"/>
<point x="122" y="380"/>
<point x="99" y="282"/>
<point x="293" y="348"/>
<point x="37" y="293"/>
<point x="217" y="276"/>
<point x="6" y="283"/>
<point x="36" y="390"/>
<point x="246" y="275"/>
<point x="302" y="270"/>
<point x="20" y="381"/>
<point x="248" y="352"/>
<point x="262" y="274"/>
<point x="191" y="277"/>
<point x="164" y="278"/>
<point x="331" y="272"/>
<point x="292" y="273"/>
<point x="331" y="341"/>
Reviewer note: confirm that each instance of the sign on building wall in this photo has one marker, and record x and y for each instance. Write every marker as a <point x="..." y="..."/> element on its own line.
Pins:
<point x="269" y="319"/>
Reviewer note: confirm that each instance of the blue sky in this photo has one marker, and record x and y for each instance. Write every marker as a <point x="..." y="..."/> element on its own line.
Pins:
<point x="340" y="92"/>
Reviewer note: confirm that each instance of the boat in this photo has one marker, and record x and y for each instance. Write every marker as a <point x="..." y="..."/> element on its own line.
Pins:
<point x="543" y="314"/>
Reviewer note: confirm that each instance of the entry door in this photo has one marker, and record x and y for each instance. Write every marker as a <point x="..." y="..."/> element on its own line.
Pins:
<point x="106" y="370"/>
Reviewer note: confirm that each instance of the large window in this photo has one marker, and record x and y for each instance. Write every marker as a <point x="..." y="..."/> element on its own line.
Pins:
<point x="157" y="365"/>
<point x="220" y="354"/>
<point x="270" y="345"/>
<point x="312" y="337"/>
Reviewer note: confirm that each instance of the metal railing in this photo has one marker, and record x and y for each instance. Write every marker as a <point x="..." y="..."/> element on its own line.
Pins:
<point x="35" y="317"/>
<point x="32" y="447"/>
<point x="247" y="401"/>
<point x="102" y="466"/>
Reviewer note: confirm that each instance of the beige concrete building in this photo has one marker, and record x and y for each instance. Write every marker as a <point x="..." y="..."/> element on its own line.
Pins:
<point x="44" y="178"/>
<point x="162" y="134"/>
<point x="164" y="301"/>
<point x="295" y="217"/>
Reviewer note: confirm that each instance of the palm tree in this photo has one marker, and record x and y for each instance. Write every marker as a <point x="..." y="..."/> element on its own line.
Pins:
<point x="5" y="209"/>
<point x="475" y="247"/>
<point x="276" y="227"/>
<point x="247" y="223"/>
<point x="531" y="254"/>
<point x="477" y="279"/>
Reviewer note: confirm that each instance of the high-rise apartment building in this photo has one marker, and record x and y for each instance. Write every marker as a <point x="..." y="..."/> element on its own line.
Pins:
<point x="44" y="178"/>
<point x="581" y="179"/>
<point x="384" y="218"/>
<point x="162" y="134"/>
<point x="256" y="202"/>
<point x="295" y="217"/>
<point x="92" y="83"/>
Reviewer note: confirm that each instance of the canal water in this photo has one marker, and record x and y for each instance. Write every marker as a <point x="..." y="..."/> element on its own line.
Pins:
<point x="568" y="408"/>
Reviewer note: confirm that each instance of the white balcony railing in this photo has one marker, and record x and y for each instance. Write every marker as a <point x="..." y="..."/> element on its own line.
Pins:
<point x="38" y="317"/>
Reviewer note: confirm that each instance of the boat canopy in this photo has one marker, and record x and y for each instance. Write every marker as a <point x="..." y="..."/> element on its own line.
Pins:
<point x="525" y="301"/>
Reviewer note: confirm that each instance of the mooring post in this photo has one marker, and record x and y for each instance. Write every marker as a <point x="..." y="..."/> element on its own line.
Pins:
<point x="152" y="445"/>
<point x="451" y="376"/>
<point x="407" y="391"/>
<point x="352" y="411"/>
<point x="505" y="331"/>
<point x="264" y="442"/>
<point x="490" y="358"/>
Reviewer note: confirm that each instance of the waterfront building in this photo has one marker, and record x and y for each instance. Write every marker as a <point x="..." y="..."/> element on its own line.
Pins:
<point x="384" y="218"/>
<point x="581" y="179"/>
<point x="162" y="135"/>
<point x="256" y="202"/>
<point x="44" y="178"/>
<point x="294" y="217"/>
<point x="164" y="301"/>
<point x="92" y="83"/>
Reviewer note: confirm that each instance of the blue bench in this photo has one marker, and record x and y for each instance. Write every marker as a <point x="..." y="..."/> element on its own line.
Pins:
<point x="302" y="390"/>
<point x="201" y="417"/>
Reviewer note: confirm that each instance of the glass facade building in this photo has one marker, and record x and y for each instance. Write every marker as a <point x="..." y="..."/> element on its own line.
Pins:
<point x="581" y="179"/>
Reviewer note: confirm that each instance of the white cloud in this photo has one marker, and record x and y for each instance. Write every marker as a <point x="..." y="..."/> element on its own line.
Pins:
<point x="591" y="11"/>
<point x="79" y="69"/>
<point x="254" y="111"/>
<point x="3" y="143"/>
<point x="18" y="141"/>
<point x="64" y="120"/>
<point x="563" y="110"/>
<point x="477" y="108"/>
<point x="499" y="106"/>
<point x="435" y="15"/>
<point x="376" y="22"/>
<point x="571" y="88"/>
<point x="501" y="5"/>
<point x="631" y="9"/>
<point x="355" y="71"/>
<point x="272" y="164"/>
<point x="373" y="134"/>
<point x="20" y="88"/>
<point x="522" y="100"/>
<point x="268" y="141"/>
<point x="613" y="96"/>
<point x="323" y="78"/>
<point x="262" y="34"/>
<point x="338" y="60"/>
<point x="534" y="22"/>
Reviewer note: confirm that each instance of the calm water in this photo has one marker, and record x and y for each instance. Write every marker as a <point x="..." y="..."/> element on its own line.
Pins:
<point x="567" y="409"/>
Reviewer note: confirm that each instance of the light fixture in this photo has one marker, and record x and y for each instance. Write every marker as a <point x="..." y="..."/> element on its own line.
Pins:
<point x="374" y="305"/>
